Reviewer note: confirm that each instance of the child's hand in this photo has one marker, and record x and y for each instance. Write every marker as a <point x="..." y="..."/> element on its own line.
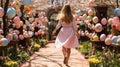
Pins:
<point x="53" y="33"/>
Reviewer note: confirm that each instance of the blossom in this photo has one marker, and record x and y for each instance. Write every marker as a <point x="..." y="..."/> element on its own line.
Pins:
<point x="94" y="60"/>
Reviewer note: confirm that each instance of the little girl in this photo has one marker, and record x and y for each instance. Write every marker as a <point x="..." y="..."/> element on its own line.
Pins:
<point x="66" y="38"/>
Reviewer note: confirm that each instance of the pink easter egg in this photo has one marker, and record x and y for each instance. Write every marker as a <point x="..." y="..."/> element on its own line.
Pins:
<point x="36" y="33"/>
<point x="39" y="32"/>
<point x="118" y="26"/>
<point x="82" y="33"/>
<point x="110" y="36"/>
<point x="16" y="20"/>
<point x="21" y="37"/>
<point x="118" y="36"/>
<point x="95" y="19"/>
<point x="42" y="32"/>
<point x="1" y="31"/>
<point x="108" y="41"/>
<point x="115" y="20"/>
<point x="24" y="26"/>
<point x="102" y="37"/>
<point x="35" y="24"/>
<point x="1" y="12"/>
<point x="90" y="12"/>
<point x="17" y="32"/>
<point x="104" y="21"/>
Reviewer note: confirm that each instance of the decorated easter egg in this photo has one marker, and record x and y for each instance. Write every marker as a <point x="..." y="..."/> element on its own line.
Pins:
<point x="10" y="37"/>
<point x="98" y="27"/>
<point x="27" y="8"/>
<point x="90" y="12"/>
<point x="43" y="33"/>
<point x="16" y="20"/>
<point x="118" y="41"/>
<point x="19" y="12"/>
<point x="25" y="34"/>
<point x="82" y="33"/>
<point x="85" y="15"/>
<point x="81" y="23"/>
<point x="24" y="26"/>
<point x="36" y="33"/>
<point x="21" y="37"/>
<point x="31" y="20"/>
<point x="26" y="2"/>
<point x="91" y="3"/>
<point x="118" y="26"/>
<point x="115" y="21"/>
<point x="114" y="39"/>
<point x="117" y="12"/>
<point x="90" y="35"/>
<point x="1" y="31"/>
<point x="95" y="19"/>
<point x="15" y="4"/>
<point x="89" y="25"/>
<point x="102" y="37"/>
<point x="26" y="23"/>
<point x="83" y="18"/>
<point x="95" y="38"/>
<point x="11" y="12"/>
<point x="17" y="26"/>
<point x="21" y="23"/>
<point x="79" y="12"/>
<point x="89" y="18"/>
<point x="108" y="41"/>
<point x="93" y="27"/>
<point x="5" y="41"/>
<point x="109" y="36"/>
<point x="110" y="21"/>
<point x="15" y="36"/>
<point x="1" y="36"/>
<point x="1" y="12"/>
<point x="104" y="21"/>
<point x="17" y="32"/>
<point x="30" y="33"/>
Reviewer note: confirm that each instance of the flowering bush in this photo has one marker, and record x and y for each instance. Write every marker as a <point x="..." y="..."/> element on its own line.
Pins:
<point x="43" y="42"/>
<point x="94" y="62"/>
<point x="11" y="64"/>
<point x="36" y="47"/>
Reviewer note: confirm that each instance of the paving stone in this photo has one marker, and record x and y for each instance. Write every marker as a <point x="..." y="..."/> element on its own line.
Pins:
<point x="53" y="57"/>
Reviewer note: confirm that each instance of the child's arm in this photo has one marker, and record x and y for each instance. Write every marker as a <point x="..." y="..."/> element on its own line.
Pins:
<point x="57" y="27"/>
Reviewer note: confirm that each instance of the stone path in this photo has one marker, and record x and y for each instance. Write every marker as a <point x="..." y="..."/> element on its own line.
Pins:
<point x="53" y="57"/>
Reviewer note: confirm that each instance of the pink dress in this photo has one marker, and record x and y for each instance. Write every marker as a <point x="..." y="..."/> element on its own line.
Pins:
<point x="66" y="37"/>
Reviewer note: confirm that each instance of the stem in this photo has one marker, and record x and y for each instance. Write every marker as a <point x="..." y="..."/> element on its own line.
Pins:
<point x="117" y="3"/>
<point x="5" y="23"/>
<point x="1" y="3"/>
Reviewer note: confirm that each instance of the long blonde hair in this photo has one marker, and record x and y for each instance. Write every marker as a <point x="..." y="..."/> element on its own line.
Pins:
<point x="66" y="14"/>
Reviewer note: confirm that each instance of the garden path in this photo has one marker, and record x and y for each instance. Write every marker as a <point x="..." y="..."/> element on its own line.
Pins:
<point x="49" y="56"/>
